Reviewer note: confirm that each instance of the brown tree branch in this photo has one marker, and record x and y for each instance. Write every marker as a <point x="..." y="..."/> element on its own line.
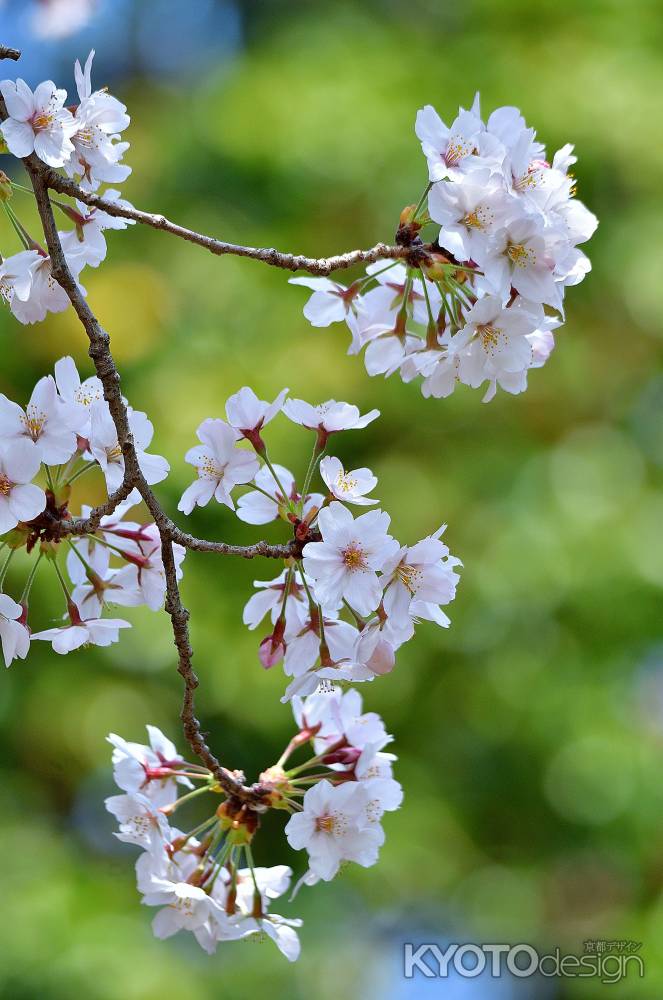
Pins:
<point x="88" y="526"/>
<point x="268" y="255"/>
<point x="100" y="353"/>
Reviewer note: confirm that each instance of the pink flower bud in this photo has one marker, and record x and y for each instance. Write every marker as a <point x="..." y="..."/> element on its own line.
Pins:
<point x="271" y="651"/>
<point x="382" y="659"/>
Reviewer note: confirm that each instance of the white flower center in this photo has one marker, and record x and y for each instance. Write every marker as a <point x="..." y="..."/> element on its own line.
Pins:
<point x="333" y="823"/>
<point x="374" y="811"/>
<point x="520" y="255"/>
<point x="353" y="557"/>
<point x="490" y="337"/>
<point x="33" y="421"/>
<point x="410" y="577"/>
<point x="345" y="483"/>
<point x="86" y="137"/>
<point x="210" y="470"/>
<point x="140" y="824"/>
<point x="42" y="120"/>
<point x="530" y="179"/>
<point x="480" y="218"/>
<point x="184" y="905"/>
<point x="86" y="397"/>
<point x="456" y="150"/>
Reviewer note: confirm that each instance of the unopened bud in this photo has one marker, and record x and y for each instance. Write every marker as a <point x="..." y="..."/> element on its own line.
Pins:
<point x="271" y="652"/>
<point x="6" y="190"/>
<point x="436" y="268"/>
<point x="407" y="215"/>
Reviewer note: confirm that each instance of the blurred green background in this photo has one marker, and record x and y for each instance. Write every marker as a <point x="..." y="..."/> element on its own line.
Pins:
<point x="530" y="734"/>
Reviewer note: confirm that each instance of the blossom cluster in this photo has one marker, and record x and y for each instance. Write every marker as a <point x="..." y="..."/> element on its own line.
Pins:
<point x="204" y="880"/>
<point x="341" y="564"/>
<point x="86" y="142"/>
<point x="65" y="431"/>
<point x="481" y="306"/>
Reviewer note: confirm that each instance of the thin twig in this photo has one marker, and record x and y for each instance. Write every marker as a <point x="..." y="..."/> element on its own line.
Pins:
<point x="267" y="255"/>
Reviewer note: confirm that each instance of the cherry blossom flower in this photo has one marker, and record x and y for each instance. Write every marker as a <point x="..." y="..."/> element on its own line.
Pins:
<point x="248" y="414"/>
<point x="494" y="342"/>
<point x="523" y="255"/>
<point x="187" y="908"/>
<point x="272" y="883"/>
<point x="80" y="632"/>
<point x="220" y="465"/>
<point x="333" y="827"/>
<point x="20" y="499"/>
<point x="375" y="651"/>
<point x="144" y="573"/>
<point x="96" y="584"/>
<point x="14" y="636"/>
<point x="37" y="122"/>
<point x="303" y="638"/>
<point x="341" y="719"/>
<point x="87" y="238"/>
<point x="469" y="212"/>
<point x="98" y="120"/>
<point x="45" y="294"/>
<point x="269" y="598"/>
<point x="422" y="578"/>
<point x="450" y="150"/>
<point x="374" y="770"/>
<point x="45" y="427"/>
<point x="80" y="395"/>
<point x="330" y="303"/>
<point x="327" y="418"/>
<point x="349" y="487"/>
<point x="148" y="769"/>
<point x="141" y="822"/>
<point x="256" y="508"/>
<point x="16" y="273"/>
<point x="105" y="448"/>
<point x="344" y="565"/>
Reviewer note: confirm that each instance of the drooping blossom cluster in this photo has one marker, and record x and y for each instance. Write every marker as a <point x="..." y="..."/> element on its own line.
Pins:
<point x="350" y="595"/>
<point x="64" y="432"/>
<point x="86" y="142"/>
<point x="478" y="307"/>
<point x="204" y="880"/>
